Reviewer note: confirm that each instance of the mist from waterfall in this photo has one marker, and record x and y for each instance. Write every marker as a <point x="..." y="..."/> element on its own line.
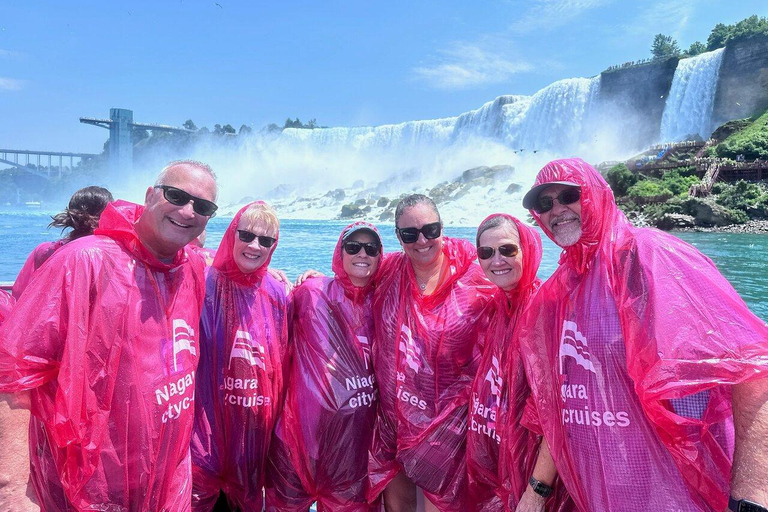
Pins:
<point x="688" y="109"/>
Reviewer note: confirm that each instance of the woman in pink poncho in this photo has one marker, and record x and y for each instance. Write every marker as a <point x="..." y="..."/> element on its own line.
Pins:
<point x="243" y="344"/>
<point x="81" y="216"/>
<point x="320" y="447"/>
<point x="429" y="307"/>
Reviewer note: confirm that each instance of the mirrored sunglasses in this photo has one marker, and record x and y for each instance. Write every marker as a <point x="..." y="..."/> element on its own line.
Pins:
<point x="248" y="237"/>
<point x="506" y="250"/>
<point x="178" y="197"/>
<point x="411" y="235"/>
<point x="352" y="247"/>
<point x="568" y="196"/>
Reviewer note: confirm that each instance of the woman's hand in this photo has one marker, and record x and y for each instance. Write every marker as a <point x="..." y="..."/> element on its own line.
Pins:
<point x="307" y="275"/>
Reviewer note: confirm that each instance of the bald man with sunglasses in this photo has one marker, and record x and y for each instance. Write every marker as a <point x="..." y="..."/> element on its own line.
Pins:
<point x="103" y="349"/>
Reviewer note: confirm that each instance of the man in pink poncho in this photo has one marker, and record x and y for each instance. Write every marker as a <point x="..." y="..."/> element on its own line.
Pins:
<point x="103" y="345"/>
<point x="640" y="357"/>
<point x="320" y="446"/>
<point x="240" y="380"/>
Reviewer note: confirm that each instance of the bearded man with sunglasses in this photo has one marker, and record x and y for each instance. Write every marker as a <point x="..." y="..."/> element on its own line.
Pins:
<point x="103" y="347"/>
<point x="641" y="357"/>
<point x="429" y="307"/>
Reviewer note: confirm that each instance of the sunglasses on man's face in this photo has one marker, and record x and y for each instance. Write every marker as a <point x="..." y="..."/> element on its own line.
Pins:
<point x="248" y="237"/>
<point x="178" y="197"/>
<point x="353" y="247"/>
<point x="506" y="250"/>
<point x="568" y="196"/>
<point x="411" y="235"/>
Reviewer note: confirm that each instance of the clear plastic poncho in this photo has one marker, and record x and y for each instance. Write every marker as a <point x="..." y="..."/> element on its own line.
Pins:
<point x="320" y="449"/>
<point x="105" y="337"/>
<point x="631" y="349"/>
<point x="240" y="385"/>
<point x="499" y="394"/>
<point x="425" y="358"/>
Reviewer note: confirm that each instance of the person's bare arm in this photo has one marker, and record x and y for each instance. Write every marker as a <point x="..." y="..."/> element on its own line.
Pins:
<point x="544" y="471"/>
<point x="14" y="454"/>
<point x="749" y="478"/>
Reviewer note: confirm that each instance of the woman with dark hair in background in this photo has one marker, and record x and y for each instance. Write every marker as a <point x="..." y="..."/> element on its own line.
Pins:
<point x="428" y="307"/>
<point x="81" y="216"/>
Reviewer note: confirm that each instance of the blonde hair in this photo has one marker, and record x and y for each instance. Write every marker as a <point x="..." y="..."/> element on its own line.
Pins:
<point x="260" y="213"/>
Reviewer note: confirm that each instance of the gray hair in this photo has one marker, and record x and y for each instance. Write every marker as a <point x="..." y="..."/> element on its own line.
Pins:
<point x="492" y="222"/>
<point x="412" y="200"/>
<point x="192" y="163"/>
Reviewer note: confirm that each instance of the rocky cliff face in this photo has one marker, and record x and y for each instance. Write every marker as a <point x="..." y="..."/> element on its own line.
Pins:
<point x="742" y="90"/>
<point x="639" y="94"/>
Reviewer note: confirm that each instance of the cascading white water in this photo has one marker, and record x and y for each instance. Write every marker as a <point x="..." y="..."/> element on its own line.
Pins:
<point x="556" y="119"/>
<point x="688" y="109"/>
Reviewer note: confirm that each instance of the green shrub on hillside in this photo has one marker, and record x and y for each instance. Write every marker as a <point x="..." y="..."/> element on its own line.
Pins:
<point x="679" y="181"/>
<point x="752" y="142"/>
<point x="649" y="188"/>
<point x="742" y="195"/>
<point x="620" y="179"/>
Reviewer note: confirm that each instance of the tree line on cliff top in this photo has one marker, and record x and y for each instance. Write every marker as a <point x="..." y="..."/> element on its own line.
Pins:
<point x="664" y="46"/>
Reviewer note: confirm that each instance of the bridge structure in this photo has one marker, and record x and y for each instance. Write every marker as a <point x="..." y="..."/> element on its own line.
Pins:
<point x="120" y="125"/>
<point x="34" y="161"/>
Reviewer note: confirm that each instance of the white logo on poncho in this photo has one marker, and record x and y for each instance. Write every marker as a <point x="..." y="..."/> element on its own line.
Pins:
<point x="573" y="344"/>
<point x="409" y="349"/>
<point x="183" y="339"/>
<point x="494" y="379"/>
<point x="245" y="347"/>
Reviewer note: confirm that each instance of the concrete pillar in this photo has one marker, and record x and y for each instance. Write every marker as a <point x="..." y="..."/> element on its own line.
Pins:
<point x="120" y="142"/>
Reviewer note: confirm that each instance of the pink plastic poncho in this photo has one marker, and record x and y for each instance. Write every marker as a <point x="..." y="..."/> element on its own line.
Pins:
<point x="320" y="451"/>
<point x="243" y="343"/>
<point x="631" y="348"/>
<point x="6" y="305"/>
<point x="36" y="258"/>
<point x="425" y="359"/>
<point x="105" y="337"/>
<point x="499" y="394"/>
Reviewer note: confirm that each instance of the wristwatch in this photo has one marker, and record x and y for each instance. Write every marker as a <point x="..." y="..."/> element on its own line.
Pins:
<point x="543" y="489"/>
<point x="744" y="505"/>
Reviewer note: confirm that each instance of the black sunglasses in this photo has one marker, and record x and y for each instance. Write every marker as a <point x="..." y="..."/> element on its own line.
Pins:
<point x="411" y="235"/>
<point x="506" y="250"/>
<point x="568" y="196"/>
<point x="178" y="197"/>
<point x="248" y="237"/>
<point x="353" y="247"/>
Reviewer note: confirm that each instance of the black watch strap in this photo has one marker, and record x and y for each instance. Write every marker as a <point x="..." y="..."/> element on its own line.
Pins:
<point x="745" y="506"/>
<point x="540" y="488"/>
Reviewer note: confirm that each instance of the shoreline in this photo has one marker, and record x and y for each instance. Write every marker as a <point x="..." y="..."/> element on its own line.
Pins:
<point x="752" y="227"/>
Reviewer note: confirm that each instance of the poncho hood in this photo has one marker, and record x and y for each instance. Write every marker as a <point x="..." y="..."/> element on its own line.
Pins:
<point x="224" y="261"/>
<point x="599" y="213"/>
<point x="355" y="293"/>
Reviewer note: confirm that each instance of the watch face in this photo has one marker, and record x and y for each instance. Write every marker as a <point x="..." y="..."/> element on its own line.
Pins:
<point x="748" y="506"/>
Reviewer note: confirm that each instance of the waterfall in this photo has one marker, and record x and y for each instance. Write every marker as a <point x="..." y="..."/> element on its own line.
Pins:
<point x="556" y="119"/>
<point x="688" y="109"/>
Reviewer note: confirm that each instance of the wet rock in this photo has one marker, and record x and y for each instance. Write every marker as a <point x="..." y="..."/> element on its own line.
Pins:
<point x="387" y="215"/>
<point x="350" y="210"/>
<point x="670" y="221"/>
<point x="383" y="201"/>
<point x="514" y="188"/>
<point x="336" y="195"/>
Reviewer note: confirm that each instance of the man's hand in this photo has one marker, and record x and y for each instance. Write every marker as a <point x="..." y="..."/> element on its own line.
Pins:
<point x="530" y="501"/>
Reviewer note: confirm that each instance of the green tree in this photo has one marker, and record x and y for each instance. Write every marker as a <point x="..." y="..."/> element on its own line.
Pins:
<point x="620" y="179"/>
<point x="664" y="46"/>
<point x="189" y="125"/>
<point x="245" y="129"/>
<point x="696" y="48"/>
<point x="718" y="37"/>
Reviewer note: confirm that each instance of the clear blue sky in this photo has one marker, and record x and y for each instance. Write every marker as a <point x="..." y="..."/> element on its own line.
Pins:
<point x="343" y="63"/>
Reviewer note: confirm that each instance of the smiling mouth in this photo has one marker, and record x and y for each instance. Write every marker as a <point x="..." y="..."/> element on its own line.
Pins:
<point x="423" y="250"/>
<point x="564" y="222"/>
<point x="178" y="224"/>
<point x="252" y="256"/>
<point x="501" y="272"/>
<point x="360" y="264"/>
